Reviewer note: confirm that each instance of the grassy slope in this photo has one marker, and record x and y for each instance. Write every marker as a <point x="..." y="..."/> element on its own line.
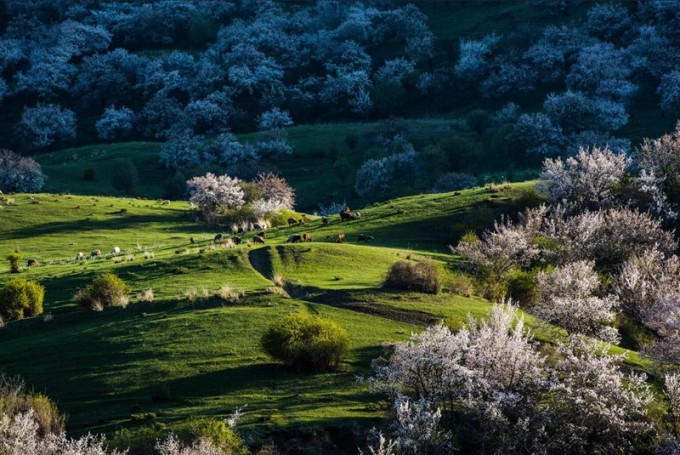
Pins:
<point x="204" y="355"/>
<point x="310" y="169"/>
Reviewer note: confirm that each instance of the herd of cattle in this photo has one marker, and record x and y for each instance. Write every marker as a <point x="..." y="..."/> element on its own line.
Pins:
<point x="261" y="236"/>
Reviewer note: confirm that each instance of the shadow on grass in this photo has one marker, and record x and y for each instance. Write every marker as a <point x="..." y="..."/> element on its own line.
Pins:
<point x="117" y="223"/>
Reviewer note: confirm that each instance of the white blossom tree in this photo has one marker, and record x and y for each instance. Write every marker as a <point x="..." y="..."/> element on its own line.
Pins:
<point x="598" y="408"/>
<point x="569" y="298"/>
<point x="669" y="92"/>
<point x="275" y="190"/>
<point x="171" y="445"/>
<point x="20" y="435"/>
<point x="586" y="181"/>
<point x="215" y="193"/>
<point x="20" y="173"/>
<point x="646" y="279"/>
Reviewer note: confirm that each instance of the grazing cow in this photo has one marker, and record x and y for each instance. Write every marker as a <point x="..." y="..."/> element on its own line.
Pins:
<point x="217" y="238"/>
<point x="356" y="215"/>
<point x="31" y="263"/>
<point x="115" y="250"/>
<point x="236" y="240"/>
<point x="80" y="256"/>
<point x="166" y="202"/>
<point x="307" y="237"/>
<point x="258" y="239"/>
<point x="366" y="238"/>
<point x="262" y="234"/>
<point x="258" y="227"/>
<point x="325" y="220"/>
<point x="95" y="253"/>
<point x="292" y="222"/>
<point x="294" y="238"/>
<point x="344" y="216"/>
<point x="338" y="238"/>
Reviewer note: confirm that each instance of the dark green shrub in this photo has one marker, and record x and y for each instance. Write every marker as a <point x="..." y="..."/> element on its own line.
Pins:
<point x="88" y="174"/>
<point x="522" y="288"/>
<point x="460" y="152"/>
<point x="20" y="298"/>
<point x="124" y="175"/>
<point x="478" y="120"/>
<point x="306" y="343"/>
<point x="454" y="181"/>
<point x="105" y="290"/>
<point x="423" y="276"/>
<point x="251" y="192"/>
<point x="433" y="161"/>
<point x="139" y="441"/>
<point x="281" y="217"/>
<point x="175" y="187"/>
<point x="342" y="168"/>
<point x="352" y="141"/>
<point x="15" y="261"/>
<point x="461" y="284"/>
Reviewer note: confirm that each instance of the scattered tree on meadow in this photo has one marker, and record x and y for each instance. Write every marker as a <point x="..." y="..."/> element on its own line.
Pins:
<point x="20" y="173"/>
<point x="215" y="193"/>
<point x="275" y="190"/>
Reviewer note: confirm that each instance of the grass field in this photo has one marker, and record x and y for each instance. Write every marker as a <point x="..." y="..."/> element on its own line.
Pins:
<point x="188" y="354"/>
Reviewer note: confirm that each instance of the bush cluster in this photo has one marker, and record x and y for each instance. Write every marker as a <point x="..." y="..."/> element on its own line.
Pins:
<point x="15" y="261"/>
<point x="105" y="290"/>
<point x="306" y="343"/>
<point x="20" y="298"/>
<point x="14" y="398"/>
<point x="423" y="276"/>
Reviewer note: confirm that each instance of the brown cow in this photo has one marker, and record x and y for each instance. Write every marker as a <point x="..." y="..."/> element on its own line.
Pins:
<point x="262" y="234"/>
<point x="338" y="238"/>
<point x="307" y="237"/>
<point x="95" y="253"/>
<point x="258" y="239"/>
<point x="31" y="263"/>
<point x="236" y="239"/>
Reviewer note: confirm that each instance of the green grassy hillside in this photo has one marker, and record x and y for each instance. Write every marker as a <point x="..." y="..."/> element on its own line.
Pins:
<point x="188" y="354"/>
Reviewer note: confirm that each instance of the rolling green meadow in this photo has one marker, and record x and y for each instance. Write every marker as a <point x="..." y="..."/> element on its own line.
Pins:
<point x="188" y="354"/>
